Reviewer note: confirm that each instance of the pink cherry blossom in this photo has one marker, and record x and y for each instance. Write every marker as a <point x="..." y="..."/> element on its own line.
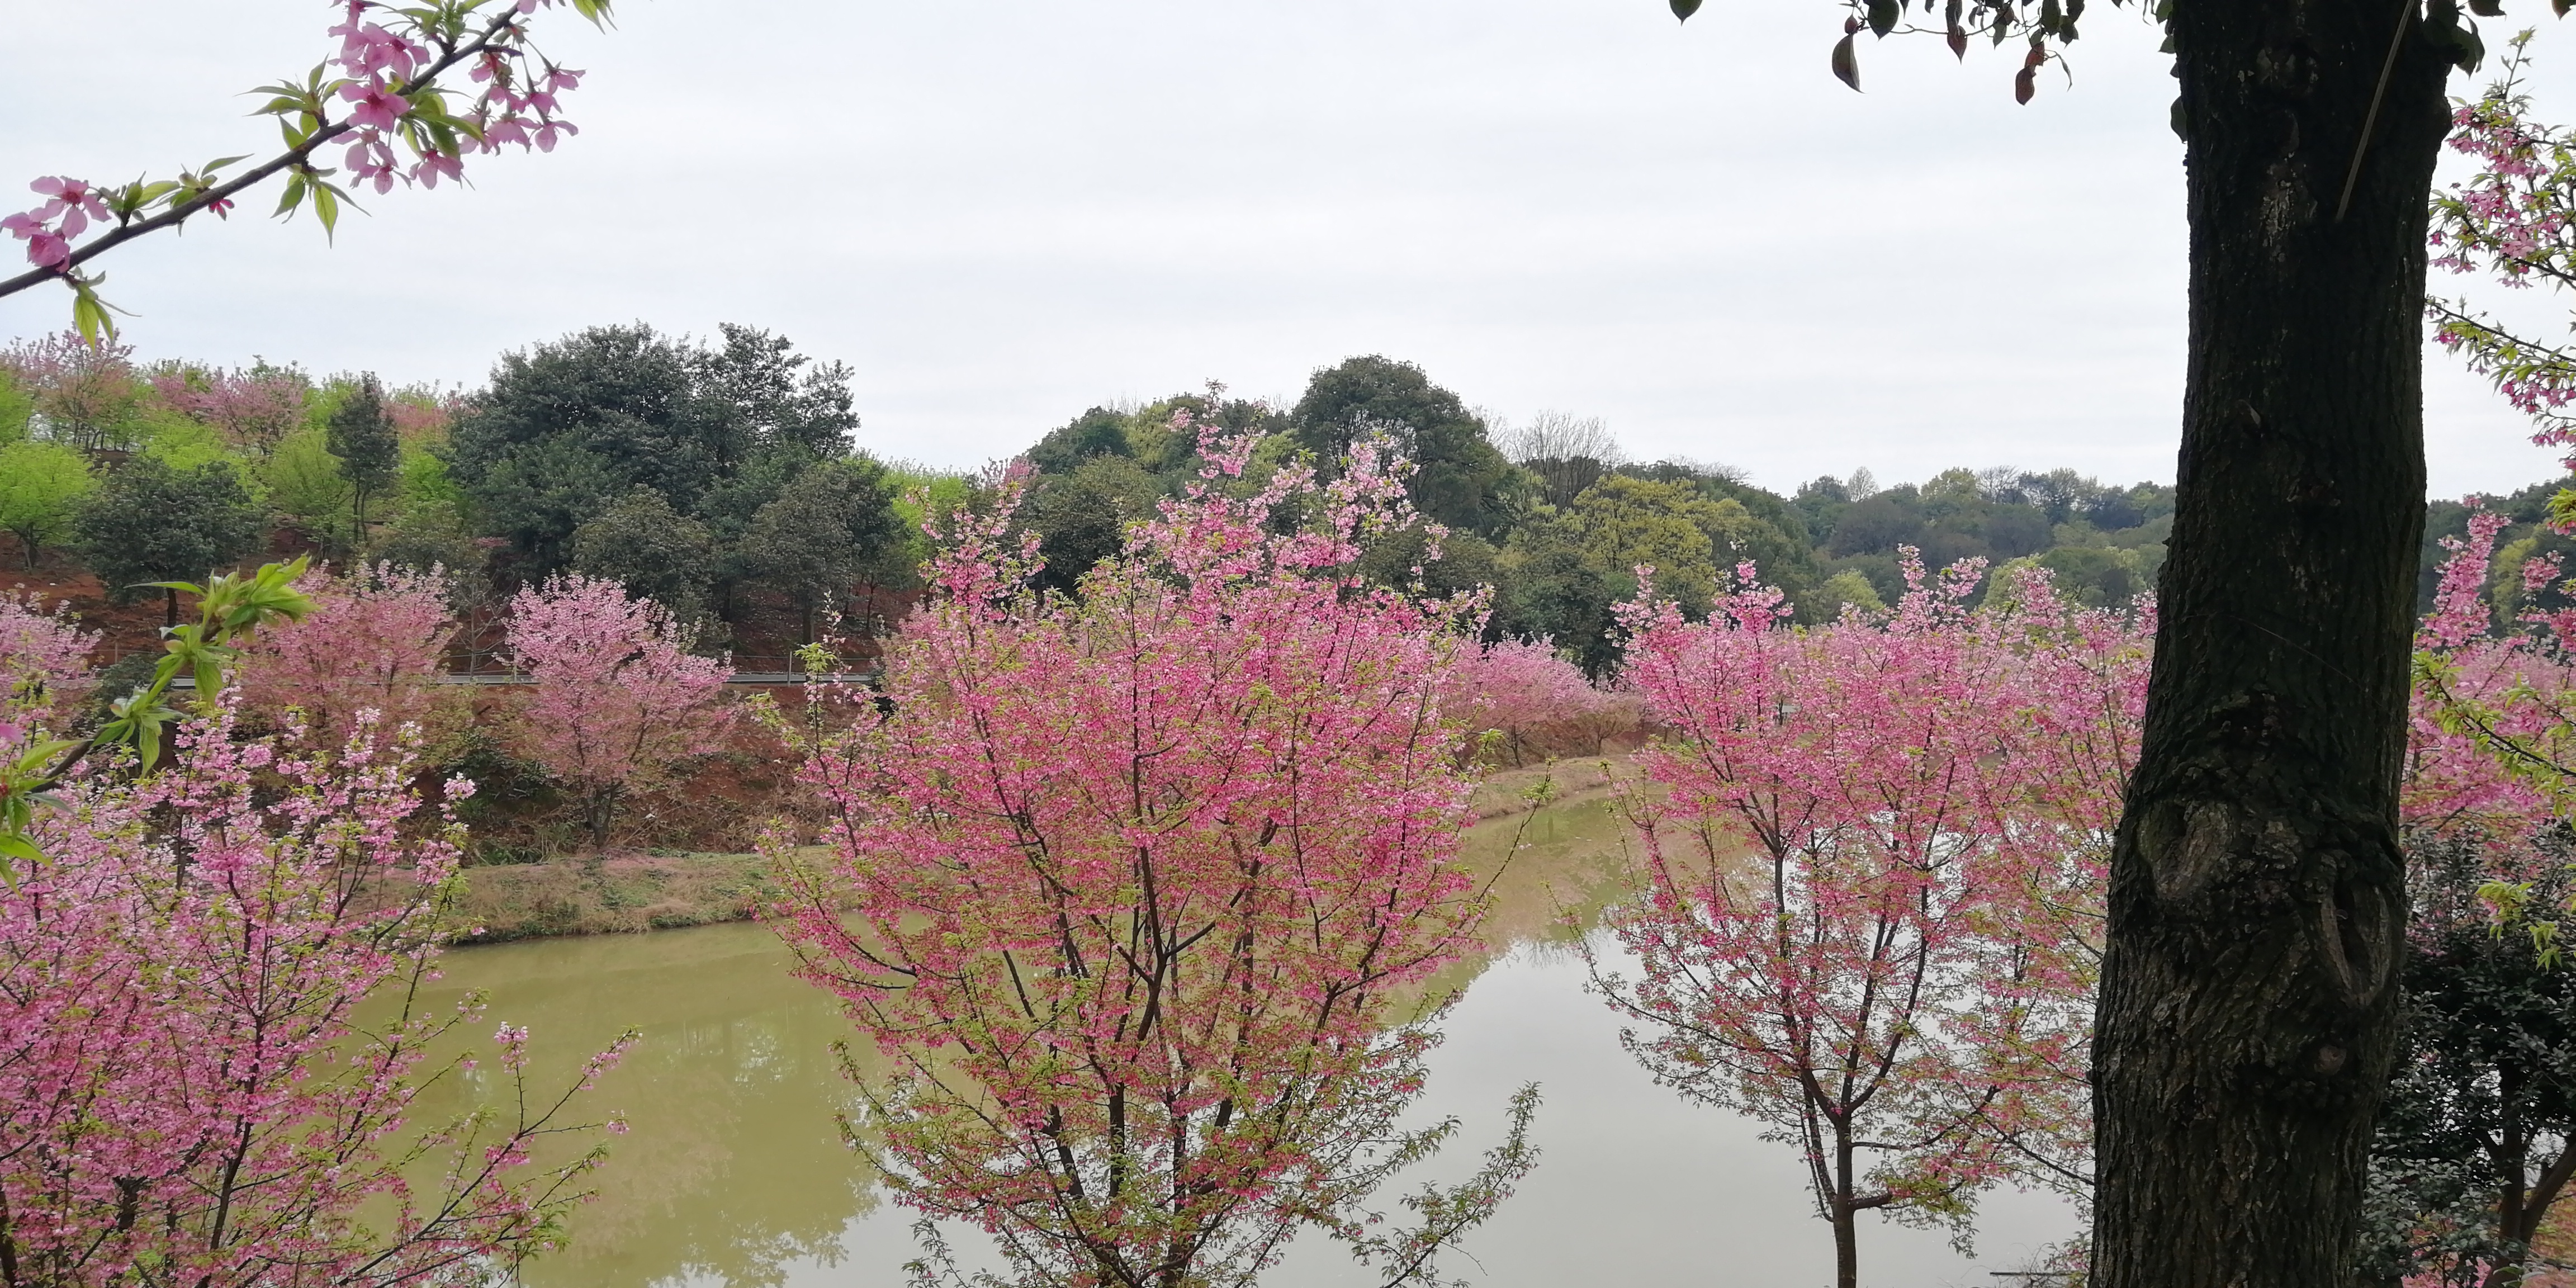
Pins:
<point x="374" y="107"/>
<point x="391" y="68"/>
<point x="372" y="650"/>
<point x="253" y="409"/>
<point x="1537" y="702"/>
<point x="75" y="202"/>
<point x="1869" y="910"/>
<point x="185" y="1094"/>
<point x="433" y="165"/>
<point x="46" y="248"/>
<point x="44" y="662"/>
<point x="2514" y="223"/>
<point x="1128" y="884"/>
<point x="619" y="701"/>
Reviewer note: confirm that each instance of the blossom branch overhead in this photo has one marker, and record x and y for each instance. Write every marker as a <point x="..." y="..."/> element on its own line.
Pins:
<point x="391" y="94"/>
<point x="2513" y="223"/>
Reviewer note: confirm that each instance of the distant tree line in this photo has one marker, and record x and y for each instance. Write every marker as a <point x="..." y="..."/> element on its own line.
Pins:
<point x="695" y="473"/>
<point x="1556" y="518"/>
<point x="708" y="475"/>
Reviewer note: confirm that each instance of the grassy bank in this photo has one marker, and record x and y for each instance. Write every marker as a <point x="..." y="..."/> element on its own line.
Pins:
<point x="616" y="894"/>
<point x="625" y="892"/>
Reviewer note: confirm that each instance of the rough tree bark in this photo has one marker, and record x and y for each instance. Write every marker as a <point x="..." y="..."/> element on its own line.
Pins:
<point x="2256" y="906"/>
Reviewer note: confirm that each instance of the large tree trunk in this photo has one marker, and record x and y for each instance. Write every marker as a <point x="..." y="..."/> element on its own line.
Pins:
<point x="2248" y="1001"/>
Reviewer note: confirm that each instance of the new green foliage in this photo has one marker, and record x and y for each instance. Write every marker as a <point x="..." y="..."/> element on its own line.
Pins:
<point x="305" y="483"/>
<point x="16" y="405"/>
<point x="42" y="486"/>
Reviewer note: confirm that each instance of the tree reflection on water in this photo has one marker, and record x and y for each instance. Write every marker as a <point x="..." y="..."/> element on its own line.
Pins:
<point x="734" y="1171"/>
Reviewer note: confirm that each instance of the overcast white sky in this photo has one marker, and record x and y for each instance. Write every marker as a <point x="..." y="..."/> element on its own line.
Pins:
<point x="1000" y="213"/>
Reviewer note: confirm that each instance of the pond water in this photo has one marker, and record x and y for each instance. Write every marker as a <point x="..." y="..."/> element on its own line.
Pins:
<point x="734" y="1174"/>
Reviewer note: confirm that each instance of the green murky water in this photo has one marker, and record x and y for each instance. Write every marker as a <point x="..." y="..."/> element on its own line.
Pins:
<point x="734" y="1173"/>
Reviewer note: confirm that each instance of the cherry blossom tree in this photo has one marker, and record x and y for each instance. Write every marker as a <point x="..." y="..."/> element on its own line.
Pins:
<point x="186" y="1094"/>
<point x="2493" y="740"/>
<point x="1135" y="887"/>
<point x="2513" y="223"/>
<point x="44" y="658"/>
<point x="410" y="93"/>
<point x="1870" y="915"/>
<point x="253" y="409"/>
<point x="2472" y="1152"/>
<point x="374" y="641"/>
<point x="1532" y="698"/>
<point x="87" y="392"/>
<point x="2310" y="131"/>
<point x="1932" y="799"/>
<point x="619" y="702"/>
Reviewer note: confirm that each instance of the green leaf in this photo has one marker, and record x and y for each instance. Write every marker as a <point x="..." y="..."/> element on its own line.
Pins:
<point x="1882" y="18"/>
<point x="1683" y="9"/>
<point x="326" y="207"/>
<point x="91" y="319"/>
<point x="1846" y="64"/>
<point x="2486" y="8"/>
<point x="31" y="762"/>
<point x="14" y="846"/>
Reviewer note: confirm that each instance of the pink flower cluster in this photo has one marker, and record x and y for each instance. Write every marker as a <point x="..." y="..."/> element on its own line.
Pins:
<point x="44" y="664"/>
<point x="2492" y="707"/>
<point x="2513" y="222"/>
<point x="619" y="700"/>
<point x="1536" y="702"/>
<point x="398" y="122"/>
<point x="1127" y="884"/>
<point x="70" y="207"/>
<point x="371" y="650"/>
<point x="253" y="409"/>
<point x="1870" y="915"/>
<point x="185" y="1096"/>
<point x="386" y="59"/>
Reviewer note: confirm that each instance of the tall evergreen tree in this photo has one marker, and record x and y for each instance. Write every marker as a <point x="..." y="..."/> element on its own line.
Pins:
<point x="568" y="428"/>
<point x="654" y="551"/>
<point x="148" y="522"/>
<point x="361" y="434"/>
<point x="1459" y="479"/>
<point x="831" y="528"/>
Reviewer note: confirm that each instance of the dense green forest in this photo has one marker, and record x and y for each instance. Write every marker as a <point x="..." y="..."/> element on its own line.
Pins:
<point x="719" y="477"/>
